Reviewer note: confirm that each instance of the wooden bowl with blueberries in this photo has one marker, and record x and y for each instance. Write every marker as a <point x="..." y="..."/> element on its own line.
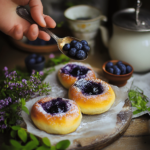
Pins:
<point x="117" y="72"/>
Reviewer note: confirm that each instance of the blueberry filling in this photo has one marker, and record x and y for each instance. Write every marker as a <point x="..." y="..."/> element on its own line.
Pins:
<point x="55" y="106"/>
<point x="75" y="70"/>
<point x="89" y="87"/>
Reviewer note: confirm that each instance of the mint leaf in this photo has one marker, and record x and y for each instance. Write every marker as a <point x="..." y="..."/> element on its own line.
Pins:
<point x="23" y="101"/>
<point x="13" y="134"/>
<point x="15" y="143"/>
<point x="22" y="135"/>
<point x="46" y="141"/>
<point x="53" y="148"/>
<point x="16" y="127"/>
<point x="31" y="145"/>
<point x="34" y="138"/>
<point x="25" y="109"/>
<point x="62" y="145"/>
<point x="137" y="111"/>
<point x="43" y="147"/>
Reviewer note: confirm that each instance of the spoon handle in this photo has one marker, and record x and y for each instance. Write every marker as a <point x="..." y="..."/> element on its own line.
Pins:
<point x="24" y="13"/>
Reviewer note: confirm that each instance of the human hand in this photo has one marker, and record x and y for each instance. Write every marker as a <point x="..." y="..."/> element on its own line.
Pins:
<point x="14" y="26"/>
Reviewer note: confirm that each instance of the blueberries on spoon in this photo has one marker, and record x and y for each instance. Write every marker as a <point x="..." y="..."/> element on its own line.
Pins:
<point x="81" y="54"/>
<point x="72" y="52"/>
<point x="66" y="47"/>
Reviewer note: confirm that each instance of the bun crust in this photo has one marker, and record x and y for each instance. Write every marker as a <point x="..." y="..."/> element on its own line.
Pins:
<point x="67" y="80"/>
<point x="93" y="104"/>
<point x="61" y="123"/>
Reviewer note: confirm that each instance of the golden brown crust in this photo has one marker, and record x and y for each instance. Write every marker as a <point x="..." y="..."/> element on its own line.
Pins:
<point x="93" y="104"/>
<point x="67" y="80"/>
<point x="57" y="124"/>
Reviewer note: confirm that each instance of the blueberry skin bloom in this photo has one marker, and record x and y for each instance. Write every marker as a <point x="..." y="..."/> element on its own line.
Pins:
<point x="84" y="42"/>
<point x="32" y="61"/>
<point x="81" y="54"/>
<point x="66" y="47"/>
<point x="73" y="43"/>
<point x="122" y="67"/>
<point x="128" y="69"/>
<point x="109" y="64"/>
<point x="39" y="59"/>
<point x="86" y="48"/>
<point x="111" y="70"/>
<point x="78" y="45"/>
<point x="117" y="71"/>
<point x="72" y="52"/>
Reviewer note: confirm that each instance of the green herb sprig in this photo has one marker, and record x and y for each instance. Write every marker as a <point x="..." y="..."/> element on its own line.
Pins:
<point x="138" y="100"/>
<point x="21" y="140"/>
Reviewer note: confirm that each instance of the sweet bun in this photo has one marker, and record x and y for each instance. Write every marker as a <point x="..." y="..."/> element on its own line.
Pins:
<point x="93" y="96"/>
<point x="56" y="115"/>
<point x="71" y="72"/>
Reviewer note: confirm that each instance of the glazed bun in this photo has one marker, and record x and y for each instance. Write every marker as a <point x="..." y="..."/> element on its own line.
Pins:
<point x="93" y="96"/>
<point x="56" y="115"/>
<point x="71" y="72"/>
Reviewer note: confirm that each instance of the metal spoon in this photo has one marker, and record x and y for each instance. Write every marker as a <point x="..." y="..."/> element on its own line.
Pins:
<point x="24" y="13"/>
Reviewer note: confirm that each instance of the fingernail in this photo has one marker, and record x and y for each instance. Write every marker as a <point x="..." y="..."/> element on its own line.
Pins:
<point x="43" y="22"/>
<point x="34" y="31"/>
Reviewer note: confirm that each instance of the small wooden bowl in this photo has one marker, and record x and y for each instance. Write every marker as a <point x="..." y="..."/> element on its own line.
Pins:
<point x="119" y="80"/>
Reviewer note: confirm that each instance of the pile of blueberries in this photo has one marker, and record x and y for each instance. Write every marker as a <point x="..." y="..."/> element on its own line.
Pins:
<point x="77" y="49"/>
<point x="35" y="59"/>
<point x="119" y="68"/>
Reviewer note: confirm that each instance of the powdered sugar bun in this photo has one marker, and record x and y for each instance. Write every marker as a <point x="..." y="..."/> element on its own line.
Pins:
<point x="67" y="79"/>
<point x="56" y="123"/>
<point x="91" y="104"/>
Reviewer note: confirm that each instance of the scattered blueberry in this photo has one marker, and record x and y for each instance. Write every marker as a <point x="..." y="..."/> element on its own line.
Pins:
<point x="66" y="47"/>
<point x="39" y="59"/>
<point x="81" y="54"/>
<point x="32" y="61"/>
<point x="111" y="70"/>
<point x="72" y="52"/>
<point x="117" y="71"/>
<point x="84" y="42"/>
<point x="73" y="43"/>
<point x="86" y="48"/>
<point x="129" y="69"/>
<point x="78" y="45"/>
<point x="109" y="64"/>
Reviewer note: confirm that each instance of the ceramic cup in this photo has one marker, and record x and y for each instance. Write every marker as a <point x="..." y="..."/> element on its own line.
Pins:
<point x="84" y="21"/>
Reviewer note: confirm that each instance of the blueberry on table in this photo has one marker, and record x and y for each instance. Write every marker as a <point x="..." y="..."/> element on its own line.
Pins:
<point x="81" y="54"/>
<point x="111" y="70"/>
<point x="84" y="42"/>
<point x="86" y="48"/>
<point x="128" y="69"/>
<point x="32" y="61"/>
<point x="66" y="47"/>
<point x="78" y="45"/>
<point x="72" y="52"/>
<point x="117" y="71"/>
<point x="109" y="64"/>
<point x="39" y="59"/>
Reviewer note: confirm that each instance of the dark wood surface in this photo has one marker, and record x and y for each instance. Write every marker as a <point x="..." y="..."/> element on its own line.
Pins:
<point x="136" y="137"/>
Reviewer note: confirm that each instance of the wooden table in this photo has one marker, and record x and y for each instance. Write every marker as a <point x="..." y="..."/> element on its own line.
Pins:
<point x="136" y="137"/>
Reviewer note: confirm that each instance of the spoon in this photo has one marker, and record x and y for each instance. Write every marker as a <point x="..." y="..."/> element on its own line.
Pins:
<point x="25" y="14"/>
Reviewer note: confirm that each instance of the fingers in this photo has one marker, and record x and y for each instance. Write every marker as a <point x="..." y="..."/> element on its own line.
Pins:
<point x="50" y="23"/>
<point x="36" y="9"/>
<point x="32" y="33"/>
<point x="43" y="35"/>
<point x="17" y="32"/>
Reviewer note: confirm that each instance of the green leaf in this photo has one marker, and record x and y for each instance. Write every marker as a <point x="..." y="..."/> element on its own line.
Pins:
<point x="31" y="145"/>
<point x="16" y="127"/>
<point x="53" y="148"/>
<point x="25" y="109"/>
<point x="63" y="144"/>
<point x="34" y="138"/>
<point x="15" y="143"/>
<point x="13" y="133"/>
<point x="46" y="141"/>
<point x="137" y="111"/>
<point x="23" y="101"/>
<point x="22" y="135"/>
<point x="43" y="147"/>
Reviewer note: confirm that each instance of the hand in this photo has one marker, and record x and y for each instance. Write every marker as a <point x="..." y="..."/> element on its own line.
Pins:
<point x="14" y="26"/>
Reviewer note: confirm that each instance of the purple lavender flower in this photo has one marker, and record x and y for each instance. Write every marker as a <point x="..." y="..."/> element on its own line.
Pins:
<point x="5" y="69"/>
<point x="1" y="118"/>
<point x="4" y="126"/>
<point x="41" y="73"/>
<point x="51" y="56"/>
<point x="33" y="71"/>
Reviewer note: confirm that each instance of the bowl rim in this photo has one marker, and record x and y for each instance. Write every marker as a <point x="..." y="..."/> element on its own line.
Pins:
<point x="122" y="75"/>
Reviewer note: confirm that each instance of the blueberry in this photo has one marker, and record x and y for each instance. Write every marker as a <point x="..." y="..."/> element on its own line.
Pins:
<point x="117" y="71"/>
<point x="32" y="61"/>
<point x="66" y="47"/>
<point x="122" y="67"/>
<point x="78" y="45"/>
<point x="128" y="69"/>
<point x="72" y="52"/>
<point x="33" y="55"/>
<point x="73" y="43"/>
<point x="119" y="62"/>
<point x="86" y="48"/>
<point x="81" y="54"/>
<point x="109" y="64"/>
<point x="39" y="59"/>
<point x="115" y="66"/>
<point x="84" y="42"/>
<point x="111" y="70"/>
